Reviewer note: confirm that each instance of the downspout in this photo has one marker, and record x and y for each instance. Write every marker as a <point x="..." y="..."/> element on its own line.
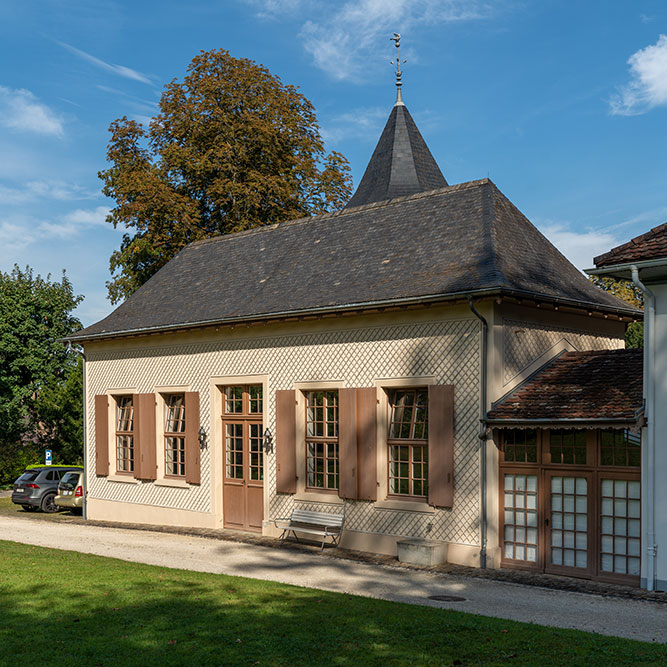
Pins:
<point x="482" y="432"/>
<point x="649" y="394"/>
<point x="84" y="511"/>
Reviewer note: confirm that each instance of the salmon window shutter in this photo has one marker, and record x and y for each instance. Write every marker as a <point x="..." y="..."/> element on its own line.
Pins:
<point x="144" y="436"/>
<point x="347" y="443"/>
<point x="102" y="435"/>
<point x="192" y="448"/>
<point x="286" y="441"/>
<point x="441" y="445"/>
<point x="367" y="443"/>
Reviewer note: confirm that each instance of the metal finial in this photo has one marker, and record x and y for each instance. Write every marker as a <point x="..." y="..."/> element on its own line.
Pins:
<point x="397" y="40"/>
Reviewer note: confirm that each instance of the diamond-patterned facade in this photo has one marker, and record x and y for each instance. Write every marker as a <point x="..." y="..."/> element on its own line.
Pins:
<point x="446" y="350"/>
<point x="524" y="342"/>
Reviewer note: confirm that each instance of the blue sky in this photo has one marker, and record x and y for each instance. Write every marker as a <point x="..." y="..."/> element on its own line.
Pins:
<point x="562" y="104"/>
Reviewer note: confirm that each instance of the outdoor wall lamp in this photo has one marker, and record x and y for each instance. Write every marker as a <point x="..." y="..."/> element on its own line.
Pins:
<point x="268" y="441"/>
<point x="202" y="438"/>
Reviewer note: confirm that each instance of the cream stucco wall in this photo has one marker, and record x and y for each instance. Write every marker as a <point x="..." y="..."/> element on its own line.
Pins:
<point x="439" y="345"/>
<point x="436" y="344"/>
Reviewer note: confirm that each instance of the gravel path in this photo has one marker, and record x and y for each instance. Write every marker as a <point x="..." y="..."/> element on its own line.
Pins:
<point x="634" y="619"/>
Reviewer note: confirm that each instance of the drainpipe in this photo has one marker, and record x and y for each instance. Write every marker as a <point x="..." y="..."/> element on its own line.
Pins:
<point x="84" y="509"/>
<point x="649" y="394"/>
<point x="482" y="431"/>
<point x="648" y="472"/>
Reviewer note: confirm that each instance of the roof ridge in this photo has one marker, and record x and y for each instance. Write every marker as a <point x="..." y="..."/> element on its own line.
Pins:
<point x="342" y="212"/>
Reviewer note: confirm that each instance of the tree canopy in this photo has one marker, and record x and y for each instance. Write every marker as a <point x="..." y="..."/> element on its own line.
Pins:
<point x="40" y="380"/>
<point x="231" y="148"/>
<point x="628" y="291"/>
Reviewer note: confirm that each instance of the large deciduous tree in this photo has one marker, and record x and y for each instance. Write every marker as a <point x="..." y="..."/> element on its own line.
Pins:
<point x="231" y="148"/>
<point x="40" y="380"/>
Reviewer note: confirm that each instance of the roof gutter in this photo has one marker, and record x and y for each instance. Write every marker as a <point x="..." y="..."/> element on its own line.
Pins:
<point x="627" y="267"/>
<point x="364" y="305"/>
<point x="482" y="432"/>
<point x="648" y="464"/>
<point x="564" y="420"/>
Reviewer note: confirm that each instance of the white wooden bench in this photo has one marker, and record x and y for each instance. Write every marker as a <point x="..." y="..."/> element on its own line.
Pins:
<point x="321" y="524"/>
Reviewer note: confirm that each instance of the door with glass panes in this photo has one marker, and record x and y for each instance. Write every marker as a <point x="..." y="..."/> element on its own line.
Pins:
<point x="243" y="457"/>
<point x="570" y="502"/>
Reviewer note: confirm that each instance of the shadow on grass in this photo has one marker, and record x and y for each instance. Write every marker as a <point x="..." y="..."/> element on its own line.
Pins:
<point x="71" y="608"/>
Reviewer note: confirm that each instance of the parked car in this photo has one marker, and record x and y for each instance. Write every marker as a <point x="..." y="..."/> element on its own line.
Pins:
<point x="36" y="488"/>
<point x="70" y="490"/>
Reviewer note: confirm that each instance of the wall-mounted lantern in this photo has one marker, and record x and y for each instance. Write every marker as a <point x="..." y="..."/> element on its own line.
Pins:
<point x="202" y="438"/>
<point x="268" y="441"/>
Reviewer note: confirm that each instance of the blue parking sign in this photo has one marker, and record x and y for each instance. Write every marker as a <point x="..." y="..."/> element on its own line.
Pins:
<point x="48" y="457"/>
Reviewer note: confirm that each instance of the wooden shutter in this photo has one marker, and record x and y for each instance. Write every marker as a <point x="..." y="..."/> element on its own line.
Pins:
<point x="192" y="447"/>
<point x="347" y="443"/>
<point x="367" y="443"/>
<point x="144" y="436"/>
<point x="102" y="435"/>
<point x="441" y="445"/>
<point x="286" y="441"/>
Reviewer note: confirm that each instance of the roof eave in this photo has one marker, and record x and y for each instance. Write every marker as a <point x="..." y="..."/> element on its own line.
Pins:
<point x="367" y="305"/>
<point x="624" y="271"/>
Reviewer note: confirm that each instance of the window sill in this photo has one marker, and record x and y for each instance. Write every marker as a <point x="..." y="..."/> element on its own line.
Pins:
<point x="314" y="497"/>
<point x="123" y="479"/>
<point x="173" y="483"/>
<point x="405" y="506"/>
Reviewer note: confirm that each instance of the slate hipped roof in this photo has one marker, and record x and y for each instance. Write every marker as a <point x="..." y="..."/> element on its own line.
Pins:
<point x="455" y="242"/>
<point x="651" y="245"/>
<point x="401" y="163"/>
<point x="603" y="385"/>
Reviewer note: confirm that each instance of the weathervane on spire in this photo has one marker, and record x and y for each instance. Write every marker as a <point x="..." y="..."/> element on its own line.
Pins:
<point x="397" y="40"/>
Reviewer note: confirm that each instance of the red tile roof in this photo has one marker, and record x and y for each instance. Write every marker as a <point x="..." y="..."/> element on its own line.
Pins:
<point x="652" y="245"/>
<point x="605" y="384"/>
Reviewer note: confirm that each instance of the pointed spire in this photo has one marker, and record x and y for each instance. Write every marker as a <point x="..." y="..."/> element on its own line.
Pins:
<point x="401" y="163"/>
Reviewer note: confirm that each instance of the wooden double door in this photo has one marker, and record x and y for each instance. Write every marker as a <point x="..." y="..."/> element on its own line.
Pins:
<point x="577" y="519"/>
<point x="243" y="457"/>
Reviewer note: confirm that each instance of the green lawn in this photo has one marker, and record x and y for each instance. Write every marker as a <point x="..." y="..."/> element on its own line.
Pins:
<point x="68" y="608"/>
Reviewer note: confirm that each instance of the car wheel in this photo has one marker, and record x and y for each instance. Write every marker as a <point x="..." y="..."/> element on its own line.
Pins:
<point x="29" y="508"/>
<point x="48" y="503"/>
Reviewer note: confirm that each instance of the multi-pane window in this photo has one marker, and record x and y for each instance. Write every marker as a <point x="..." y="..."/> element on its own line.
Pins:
<point x="620" y="448"/>
<point x="174" y="435"/>
<point x="568" y="446"/>
<point x="569" y="521"/>
<point x="322" y="439"/>
<point x="520" y="507"/>
<point x="620" y="518"/>
<point x="124" y="434"/>
<point x="244" y="440"/>
<point x="520" y="445"/>
<point x="408" y="443"/>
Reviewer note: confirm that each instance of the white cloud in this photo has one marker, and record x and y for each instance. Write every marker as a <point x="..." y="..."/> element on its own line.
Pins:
<point x="21" y="110"/>
<point x="120" y="70"/>
<point x="75" y="222"/>
<point x="346" y="38"/>
<point x="15" y="235"/>
<point x="363" y="123"/>
<point x="647" y="88"/>
<point x="579" y="247"/>
<point x="57" y="190"/>
<point x="269" y="9"/>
